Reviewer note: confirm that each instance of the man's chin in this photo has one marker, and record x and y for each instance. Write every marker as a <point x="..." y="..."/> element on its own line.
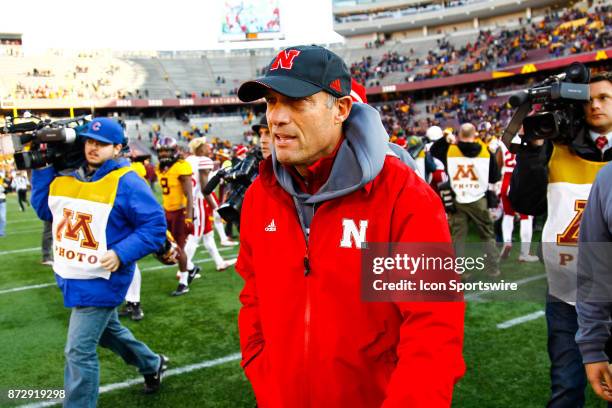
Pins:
<point x="95" y="164"/>
<point x="285" y="159"/>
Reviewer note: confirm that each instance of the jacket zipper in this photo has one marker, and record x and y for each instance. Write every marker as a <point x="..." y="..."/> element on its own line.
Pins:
<point x="307" y="307"/>
<point x="307" y="344"/>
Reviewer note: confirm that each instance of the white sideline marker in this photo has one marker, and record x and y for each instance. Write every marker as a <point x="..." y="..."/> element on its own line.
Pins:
<point x="476" y="295"/>
<point x="153" y="268"/>
<point x="42" y="285"/>
<point x="521" y="320"/>
<point x="17" y="251"/>
<point x="140" y="380"/>
<point x="23" y="231"/>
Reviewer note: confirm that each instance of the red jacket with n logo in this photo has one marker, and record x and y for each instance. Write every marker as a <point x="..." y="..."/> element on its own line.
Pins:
<point x="307" y="338"/>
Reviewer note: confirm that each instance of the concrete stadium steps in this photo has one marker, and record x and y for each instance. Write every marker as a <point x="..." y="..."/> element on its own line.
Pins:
<point x="198" y="74"/>
<point x="155" y="81"/>
<point x="224" y="127"/>
<point x="189" y="75"/>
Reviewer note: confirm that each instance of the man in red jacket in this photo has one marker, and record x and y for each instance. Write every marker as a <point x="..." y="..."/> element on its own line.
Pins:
<point x="331" y="185"/>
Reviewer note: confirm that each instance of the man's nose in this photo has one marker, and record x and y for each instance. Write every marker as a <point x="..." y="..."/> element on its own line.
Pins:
<point x="595" y="104"/>
<point x="277" y="115"/>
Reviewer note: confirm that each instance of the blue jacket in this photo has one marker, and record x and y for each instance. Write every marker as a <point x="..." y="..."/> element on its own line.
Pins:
<point x="136" y="227"/>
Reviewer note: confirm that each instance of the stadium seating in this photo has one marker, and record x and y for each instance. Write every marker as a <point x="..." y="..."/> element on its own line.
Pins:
<point x="216" y="73"/>
<point x="56" y="76"/>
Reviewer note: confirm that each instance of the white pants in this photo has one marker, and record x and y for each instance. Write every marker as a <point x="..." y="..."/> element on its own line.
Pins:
<point x="209" y="243"/>
<point x="133" y="293"/>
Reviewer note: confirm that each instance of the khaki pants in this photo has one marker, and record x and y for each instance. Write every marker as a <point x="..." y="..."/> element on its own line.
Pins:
<point x="478" y="213"/>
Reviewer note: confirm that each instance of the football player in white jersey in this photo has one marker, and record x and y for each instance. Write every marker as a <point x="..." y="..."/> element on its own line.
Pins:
<point x="202" y="165"/>
<point x="508" y="162"/>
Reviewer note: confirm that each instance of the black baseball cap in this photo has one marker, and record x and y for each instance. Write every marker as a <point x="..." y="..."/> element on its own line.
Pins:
<point x="263" y="123"/>
<point x="301" y="71"/>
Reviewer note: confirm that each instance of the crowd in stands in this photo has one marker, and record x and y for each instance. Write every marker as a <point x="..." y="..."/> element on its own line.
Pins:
<point x="404" y="118"/>
<point x="573" y="31"/>
<point x="403" y="12"/>
<point x="557" y="34"/>
<point x="43" y="83"/>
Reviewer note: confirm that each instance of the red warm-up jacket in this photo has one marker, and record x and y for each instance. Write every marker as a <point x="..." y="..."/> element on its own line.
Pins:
<point x="307" y="338"/>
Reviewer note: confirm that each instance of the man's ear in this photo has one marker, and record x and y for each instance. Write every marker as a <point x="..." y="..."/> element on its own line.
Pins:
<point x="117" y="149"/>
<point x="344" y="108"/>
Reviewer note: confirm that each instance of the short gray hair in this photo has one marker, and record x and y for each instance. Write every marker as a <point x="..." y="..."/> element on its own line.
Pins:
<point x="331" y="101"/>
<point x="467" y="130"/>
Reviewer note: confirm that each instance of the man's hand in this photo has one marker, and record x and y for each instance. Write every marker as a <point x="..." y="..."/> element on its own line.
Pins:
<point x="110" y="261"/>
<point x="600" y="377"/>
<point x="189" y="226"/>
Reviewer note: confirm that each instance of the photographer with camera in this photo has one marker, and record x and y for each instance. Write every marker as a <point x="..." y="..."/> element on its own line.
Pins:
<point x="105" y="218"/>
<point x="472" y="171"/>
<point x="237" y="179"/>
<point x="556" y="175"/>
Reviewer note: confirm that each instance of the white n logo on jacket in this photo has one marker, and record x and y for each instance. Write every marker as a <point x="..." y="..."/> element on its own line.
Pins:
<point x="351" y="235"/>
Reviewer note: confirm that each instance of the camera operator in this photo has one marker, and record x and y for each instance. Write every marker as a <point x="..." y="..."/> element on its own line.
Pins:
<point x="104" y="219"/>
<point x="555" y="177"/>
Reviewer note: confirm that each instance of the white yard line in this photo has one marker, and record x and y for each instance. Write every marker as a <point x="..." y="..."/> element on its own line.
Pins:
<point x="17" y="251"/>
<point x="24" y="231"/>
<point x="520" y="320"/>
<point x="476" y="295"/>
<point x="44" y="285"/>
<point x="22" y="221"/>
<point x="129" y="383"/>
<point x="154" y="268"/>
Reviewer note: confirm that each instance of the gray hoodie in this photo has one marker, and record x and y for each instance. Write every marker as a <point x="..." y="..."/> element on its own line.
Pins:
<point x="359" y="160"/>
<point x="594" y="303"/>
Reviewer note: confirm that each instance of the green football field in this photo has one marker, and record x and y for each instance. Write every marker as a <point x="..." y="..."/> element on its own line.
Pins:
<point x="507" y="365"/>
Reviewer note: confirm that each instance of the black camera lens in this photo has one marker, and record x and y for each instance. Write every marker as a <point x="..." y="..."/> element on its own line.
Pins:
<point x="30" y="160"/>
<point x="541" y="126"/>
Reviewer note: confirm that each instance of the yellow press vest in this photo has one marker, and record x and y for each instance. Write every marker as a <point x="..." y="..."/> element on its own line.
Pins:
<point x="80" y="215"/>
<point x="569" y="183"/>
<point x="469" y="176"/>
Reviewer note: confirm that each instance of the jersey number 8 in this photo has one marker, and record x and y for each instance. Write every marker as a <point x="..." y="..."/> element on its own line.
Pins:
<point x="163" y="182"/>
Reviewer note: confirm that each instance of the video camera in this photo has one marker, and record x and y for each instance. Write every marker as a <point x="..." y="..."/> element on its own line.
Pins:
<point x="37" y="143"/>
<point x="561" y="115"/>
<point x="239" y="177"/>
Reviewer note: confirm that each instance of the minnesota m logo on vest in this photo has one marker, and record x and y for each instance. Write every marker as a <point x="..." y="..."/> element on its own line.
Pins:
<point x="465" y="171"/>
<point x="70" y="226"/>
<point x="351" y="235"/>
